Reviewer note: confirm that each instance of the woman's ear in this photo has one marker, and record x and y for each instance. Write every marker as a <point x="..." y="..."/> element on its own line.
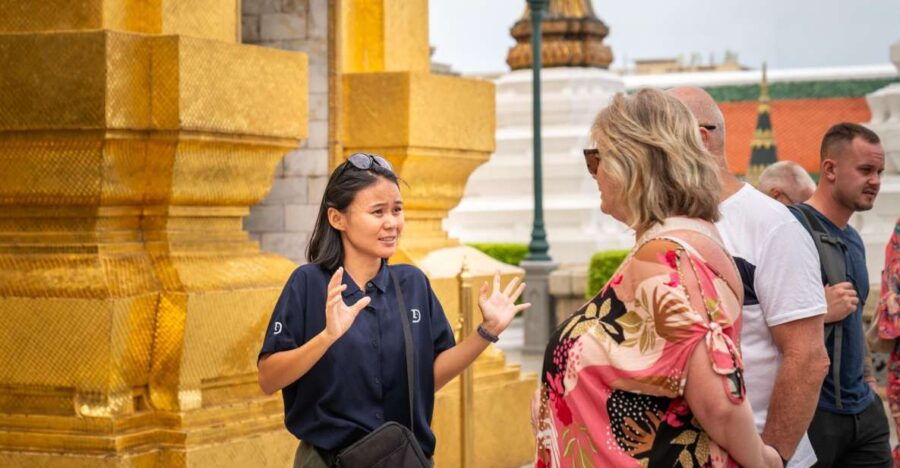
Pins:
<point x="337" y="219"/>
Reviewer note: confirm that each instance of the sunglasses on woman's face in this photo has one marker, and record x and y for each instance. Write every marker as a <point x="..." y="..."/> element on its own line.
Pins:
<point x="365" y="161"/>
<point x="592" y="160"/>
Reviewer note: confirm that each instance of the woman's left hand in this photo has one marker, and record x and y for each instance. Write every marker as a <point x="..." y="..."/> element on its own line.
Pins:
<point x="499" y="307"/>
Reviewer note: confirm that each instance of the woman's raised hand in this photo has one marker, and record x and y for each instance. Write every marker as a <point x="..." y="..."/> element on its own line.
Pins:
<point x="338" y="315"/>
<point x="499" y="307"/>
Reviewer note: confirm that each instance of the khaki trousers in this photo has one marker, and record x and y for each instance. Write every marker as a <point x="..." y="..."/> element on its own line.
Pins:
<point x="307" y="457"/>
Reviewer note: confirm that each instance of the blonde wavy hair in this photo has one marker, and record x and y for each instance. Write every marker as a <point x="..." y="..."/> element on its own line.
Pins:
<point x="649" y="144"/>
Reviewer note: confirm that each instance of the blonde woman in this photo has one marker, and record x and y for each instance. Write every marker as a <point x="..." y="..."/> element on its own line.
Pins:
<point x="648" y="372"/>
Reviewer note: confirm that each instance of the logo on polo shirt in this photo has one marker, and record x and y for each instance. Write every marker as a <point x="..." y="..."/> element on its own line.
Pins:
<point x="277" y="328"/>
<point x="416" y="315"/>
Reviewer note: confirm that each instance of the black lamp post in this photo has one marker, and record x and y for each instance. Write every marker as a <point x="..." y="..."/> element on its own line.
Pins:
<point x="538" y="247"/>
<point x="538" y="264"/>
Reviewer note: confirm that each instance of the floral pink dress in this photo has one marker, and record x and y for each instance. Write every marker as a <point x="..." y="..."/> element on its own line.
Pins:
<point x="615" y="371"/>
<point x="888" y="315"/>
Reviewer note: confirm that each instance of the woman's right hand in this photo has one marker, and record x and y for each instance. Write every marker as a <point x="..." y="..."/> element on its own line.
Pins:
<point x="338" y="315"/>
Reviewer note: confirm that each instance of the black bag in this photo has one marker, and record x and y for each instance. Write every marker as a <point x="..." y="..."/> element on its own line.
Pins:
<point x="390" y="445"/>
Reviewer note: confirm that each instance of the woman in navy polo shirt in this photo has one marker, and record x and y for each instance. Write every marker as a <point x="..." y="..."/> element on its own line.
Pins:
<point x="335" y="345"/>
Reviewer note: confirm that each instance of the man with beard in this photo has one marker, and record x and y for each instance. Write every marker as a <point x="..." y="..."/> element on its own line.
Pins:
<point x="849" y="427"/>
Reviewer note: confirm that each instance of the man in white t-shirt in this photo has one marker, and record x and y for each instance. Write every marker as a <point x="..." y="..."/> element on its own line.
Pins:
<point x="782" y="338"/>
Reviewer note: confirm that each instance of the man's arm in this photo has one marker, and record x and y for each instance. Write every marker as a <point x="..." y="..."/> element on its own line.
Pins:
<point x="796" y="391"/>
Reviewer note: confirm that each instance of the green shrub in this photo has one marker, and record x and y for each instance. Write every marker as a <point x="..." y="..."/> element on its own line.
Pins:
<point x="507" y="253"/>
<point x="602" y="266"/>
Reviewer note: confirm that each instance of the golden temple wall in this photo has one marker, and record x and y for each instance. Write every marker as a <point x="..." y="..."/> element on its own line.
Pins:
<point x="132" y="142"/>
<point x="134" y="137"/>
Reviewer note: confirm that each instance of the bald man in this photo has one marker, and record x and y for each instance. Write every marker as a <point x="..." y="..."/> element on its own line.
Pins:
<point x="782" y="338"/>
<point x="787" y="182"/>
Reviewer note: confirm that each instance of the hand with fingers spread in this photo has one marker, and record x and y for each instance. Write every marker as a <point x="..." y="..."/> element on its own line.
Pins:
<point x="499" y="307"/>
<point x="338" y="315"/>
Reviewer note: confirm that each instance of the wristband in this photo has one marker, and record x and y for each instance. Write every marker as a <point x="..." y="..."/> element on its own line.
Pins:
<point x="486" y="334"/>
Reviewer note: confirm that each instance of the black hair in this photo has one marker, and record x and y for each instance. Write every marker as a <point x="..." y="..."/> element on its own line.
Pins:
<point x="842" y="134"/>
<point x="325" y="247"/>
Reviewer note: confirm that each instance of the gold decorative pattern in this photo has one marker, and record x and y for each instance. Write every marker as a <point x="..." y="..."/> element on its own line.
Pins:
<point x="212" y="19"/>
<point x="131" y="301"/>
<point x="572" y="36"/>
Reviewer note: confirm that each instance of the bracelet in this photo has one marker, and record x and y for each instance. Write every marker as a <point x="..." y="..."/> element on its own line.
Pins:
<point x="486" y="334"/>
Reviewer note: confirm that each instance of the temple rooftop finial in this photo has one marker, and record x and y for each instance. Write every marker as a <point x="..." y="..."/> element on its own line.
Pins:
<point x="572" y="37"/>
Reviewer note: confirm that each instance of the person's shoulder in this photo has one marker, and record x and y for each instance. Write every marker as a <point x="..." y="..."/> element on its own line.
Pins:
<point x="750" y="203"/>
<point x="407" y="272"/>
<point x="309" y="272"/>
<point x="654" y="249"/>
<point x="760" y="219"/>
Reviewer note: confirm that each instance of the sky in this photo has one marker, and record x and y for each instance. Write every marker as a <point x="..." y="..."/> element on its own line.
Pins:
<point x="473" y="35"/>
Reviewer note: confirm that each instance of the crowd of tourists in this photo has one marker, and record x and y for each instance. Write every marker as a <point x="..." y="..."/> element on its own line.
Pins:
<point x="731" y="335"/>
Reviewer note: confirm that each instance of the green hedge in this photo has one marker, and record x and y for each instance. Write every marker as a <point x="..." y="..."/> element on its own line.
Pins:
<point x="602" y="266"/>
<point x="510" y="253"/>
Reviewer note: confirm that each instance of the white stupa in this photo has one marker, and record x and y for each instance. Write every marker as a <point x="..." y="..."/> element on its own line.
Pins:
<point x="498" y="202"/>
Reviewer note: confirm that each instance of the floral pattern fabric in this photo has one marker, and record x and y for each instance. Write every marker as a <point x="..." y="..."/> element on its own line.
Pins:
<point x="888" y="315"/>
<point x="614" y="375"/>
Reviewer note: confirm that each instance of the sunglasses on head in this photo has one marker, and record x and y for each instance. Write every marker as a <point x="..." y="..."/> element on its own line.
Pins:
<point x="592" y="160"/>
<point x="365" y="161"/>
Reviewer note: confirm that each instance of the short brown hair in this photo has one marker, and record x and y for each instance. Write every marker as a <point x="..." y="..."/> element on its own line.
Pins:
<point x="842" y="134"/>
<point x="650" y="146"/>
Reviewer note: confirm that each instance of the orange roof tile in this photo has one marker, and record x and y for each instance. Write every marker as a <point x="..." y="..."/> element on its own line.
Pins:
<point x="798" y="125"/>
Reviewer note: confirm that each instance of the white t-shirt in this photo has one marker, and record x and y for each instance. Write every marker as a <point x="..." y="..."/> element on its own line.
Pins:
<point x="780" y="261"/>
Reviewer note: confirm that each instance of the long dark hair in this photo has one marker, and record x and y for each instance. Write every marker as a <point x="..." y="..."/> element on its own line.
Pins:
<point x="325" y="247"/>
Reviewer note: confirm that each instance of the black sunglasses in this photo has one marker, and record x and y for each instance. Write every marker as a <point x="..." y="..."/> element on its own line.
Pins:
<point x="365" y="161"/>
<point x="592" y="160"/>
<point x="709" y="127"/>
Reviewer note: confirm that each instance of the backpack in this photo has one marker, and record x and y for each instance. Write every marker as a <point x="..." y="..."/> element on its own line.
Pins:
<point x="834" y="270"/>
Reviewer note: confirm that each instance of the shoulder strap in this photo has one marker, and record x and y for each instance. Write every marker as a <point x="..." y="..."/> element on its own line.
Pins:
<point x="831" y="255"/>
<point x="830" y="248"/>
<point x="407" y="337"/>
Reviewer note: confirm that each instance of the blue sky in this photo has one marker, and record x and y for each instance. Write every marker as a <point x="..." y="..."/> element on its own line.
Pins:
<point x="473" y="35"/>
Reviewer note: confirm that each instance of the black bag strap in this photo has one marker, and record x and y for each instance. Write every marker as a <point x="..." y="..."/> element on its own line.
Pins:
<point x="407" y="337"/>
<point x="831" y="248"/>
<point x="834" y="268"/>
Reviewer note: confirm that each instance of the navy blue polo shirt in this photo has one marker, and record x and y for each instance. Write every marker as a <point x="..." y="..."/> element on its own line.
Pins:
<point x="856" y="395"/>
<point x="360" y="382"/>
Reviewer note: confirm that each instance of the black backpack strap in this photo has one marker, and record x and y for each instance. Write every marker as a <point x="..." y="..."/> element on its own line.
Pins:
<point x="407" y="337"/>
<point x="831" y="248"/>
<point x="834" y="269"/>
